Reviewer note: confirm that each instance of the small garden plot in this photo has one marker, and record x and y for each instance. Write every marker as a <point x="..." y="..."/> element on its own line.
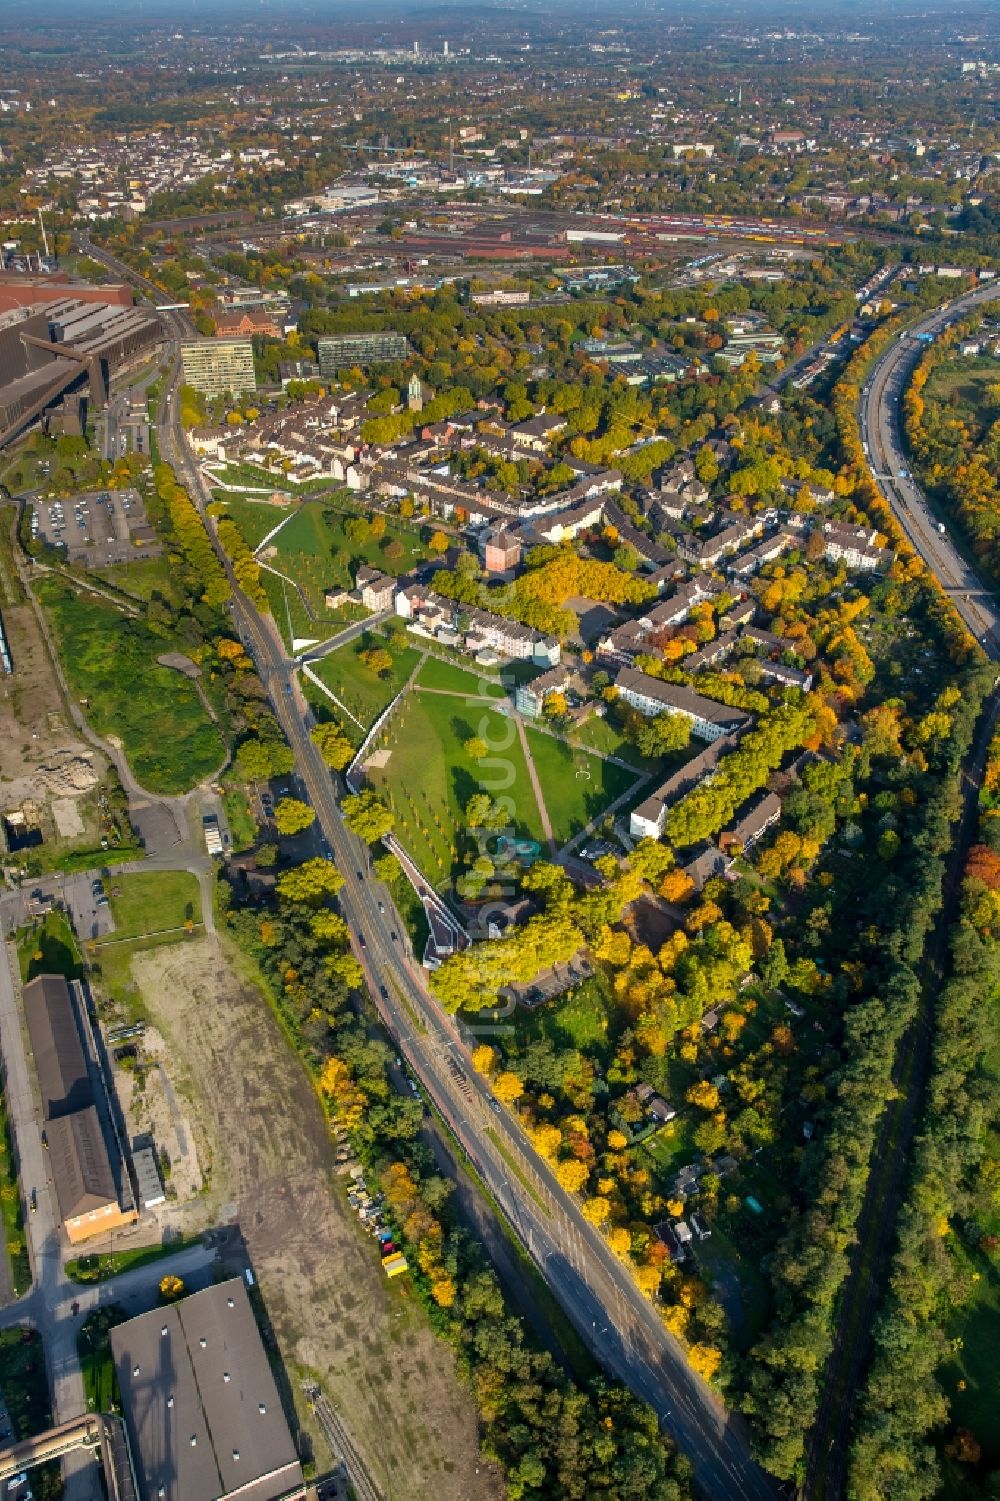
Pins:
<point x="576" y="785"/>
<point x="587" y="1017"/>
<point x="429" y="776"/>
<point x="667" y="1150"/>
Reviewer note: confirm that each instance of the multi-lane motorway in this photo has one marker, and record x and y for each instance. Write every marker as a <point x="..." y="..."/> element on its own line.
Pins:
<point x="881" y="433"/>
<point x="623" y="1328"/>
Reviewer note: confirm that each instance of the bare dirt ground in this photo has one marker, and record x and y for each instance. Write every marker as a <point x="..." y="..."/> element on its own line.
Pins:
<point x="153" y="1106"/>
<point x="258" y="1123"/>
<point x="41" y="755"/>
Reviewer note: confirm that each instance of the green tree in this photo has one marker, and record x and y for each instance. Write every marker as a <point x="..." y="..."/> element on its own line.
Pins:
<point x="292" y="816"/>
<point x="366" y="815"/>
<point x="334" y="746"/>
<point x="258" y="760"/>
<point x="378" y="659"/>
<point x="311" y="883"/>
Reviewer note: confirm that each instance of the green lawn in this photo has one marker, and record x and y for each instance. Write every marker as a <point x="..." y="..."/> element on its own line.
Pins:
<point x="151" y="909"/>
<point x="255" y="478"/>
<point x="970" y="379"/>
<point x="93" y="1343"/>
<point x="286" y="606"/>
<point x="98" y="1268"/>
<point x="667" y="1150"/>
<point x="314" y="549"/>
<point x="602" y="735"/>
<point x="110" y="663"/>
<point x="428" y="778"/>
<point x="354" y="683"/>
<point x="143" y="579"/>
<point x="743" y="1290"/>
<point x="576" y="785"/>
<point x="49" y="948"/>
<point x="454" y="679"/>
<point x="153" y="901"/>
<point x="242" y="824"/>
<point x="12" y="1208"/>
<point x="254" y="518"/>
<point x="587" y="1017"/>
<point x="974" y="1361"/>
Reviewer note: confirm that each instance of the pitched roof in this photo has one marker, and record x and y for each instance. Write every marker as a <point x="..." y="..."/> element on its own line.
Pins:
<point x="55" y="1043"/>
<point x="81" y="1170"/>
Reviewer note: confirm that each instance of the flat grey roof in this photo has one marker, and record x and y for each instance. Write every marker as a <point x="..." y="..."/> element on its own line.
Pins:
<point x="201" y="1407"/>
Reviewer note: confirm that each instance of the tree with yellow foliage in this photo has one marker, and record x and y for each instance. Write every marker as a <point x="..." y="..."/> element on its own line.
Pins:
<point x="703" y="1094"/>
<point x="443" y="1290"/>
<point x="508" y="1088"/>
<point x="705" y="1360"/>
<point x="484" y="1058"/>
<point x="620" y="1241"/>
<point x="571" y="1174"/>
<point x="547" y="1140"/>
<point x="597" y="1210"/>
<point x="617" y="1140"/>
<point x="648" y="1278"/>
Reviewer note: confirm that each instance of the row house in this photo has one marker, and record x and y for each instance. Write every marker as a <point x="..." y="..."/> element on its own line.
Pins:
<point x="627" y="532"/>
<point x="432" y="615"/>
<point x="715" y="651"/>
<point x="709" y="720"/>
<point x="712" y="550"/>
<point x="649" y="818"/>
<point x="748" y="563"/>
<point x="745" y="831"/>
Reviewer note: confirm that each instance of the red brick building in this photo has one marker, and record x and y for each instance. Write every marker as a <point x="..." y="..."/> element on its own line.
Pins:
<point x="245" y="323"/>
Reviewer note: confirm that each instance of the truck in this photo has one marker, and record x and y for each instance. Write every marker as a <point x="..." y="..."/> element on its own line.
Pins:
<point x="212" y="833"/>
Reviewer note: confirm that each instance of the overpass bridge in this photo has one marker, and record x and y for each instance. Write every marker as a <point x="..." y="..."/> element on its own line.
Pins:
<point x="94" y="1431"/>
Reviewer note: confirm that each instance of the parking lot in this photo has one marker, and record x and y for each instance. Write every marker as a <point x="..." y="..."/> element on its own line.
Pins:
<point x="100" y="527"/>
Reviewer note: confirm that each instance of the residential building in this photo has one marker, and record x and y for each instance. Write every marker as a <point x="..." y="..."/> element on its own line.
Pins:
<point x="709" y="720"/>
<point x="377" y="590"/>
<point x="649" y="818"/>
<point x="202" y="1413"/>
<point x="430" y="614"/>
<point x="361" y="349"/>
<point x="855" y="546"/>
<point x="218" y="366"/>
<point x="744" y="832"/>
<point x="529" y="698"/>
<point x="501" y="550"/>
